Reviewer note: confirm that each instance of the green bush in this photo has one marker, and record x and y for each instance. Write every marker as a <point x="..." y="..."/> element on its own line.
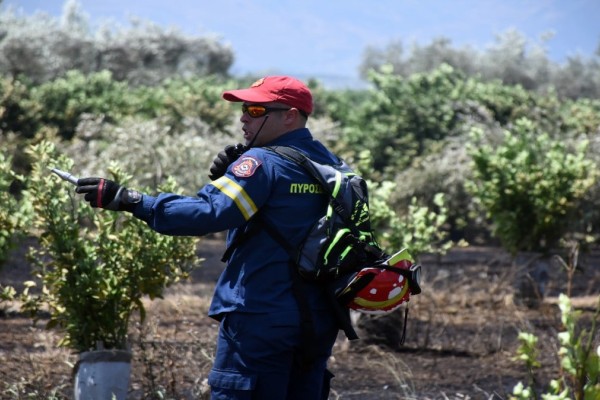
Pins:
<point x="581" y="116"/>
<point x="529" y="185"/>
<point x="417" y="227"/>
<point x="14" y="106"/>
<point x="14" y="214"/>
<point x="505" y="102"/>
<point x="61" y="102"/>
<point x="404" y="119"/>
<point x="148" y="149"/>
<point x="195" y="98"/>
<point x="444" y="171"/>
<point x="94" y="266"/>
<point x="404" y="116"/>
<point x="579" y="377"/>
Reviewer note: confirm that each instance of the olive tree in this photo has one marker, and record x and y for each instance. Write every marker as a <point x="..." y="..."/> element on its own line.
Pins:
<point x="512" y="58"/>
<point x="43" y="48"/>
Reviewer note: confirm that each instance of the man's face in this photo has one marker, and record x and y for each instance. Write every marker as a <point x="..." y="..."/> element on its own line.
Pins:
<point x="269" y="126"/>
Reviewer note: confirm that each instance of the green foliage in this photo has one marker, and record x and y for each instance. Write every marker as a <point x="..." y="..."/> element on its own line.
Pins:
<point x="579" y="377"/>
<point x="147" y="149"/>
<point x="419" y="230"/>
<point x="528" y="185"/>
<point x="94" y="266"/>
<point x="527" y="353"/>
<point x="339" y="105"/>
<point x="406" y="118"/>
<point x="512" y="60"/>
<point x="416" y="227"/>
<point x="444" y="171"/>
<point x="14" y="214"/>
<point x="527" y="350"/>
<point x="15" y="217"/>
<point x="403" y="116"/>
<point x="415" y="118"/>
<point x="505" y="103"/>
<point x="581" y="116"/>
<point x="176" y="99"/>
<point x="579" y="361"/>
<point x="60" y="103"/>
<point x="14" y="117"/>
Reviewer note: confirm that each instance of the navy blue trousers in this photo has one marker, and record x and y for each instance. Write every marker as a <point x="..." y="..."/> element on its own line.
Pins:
<point x="258" y="357"/>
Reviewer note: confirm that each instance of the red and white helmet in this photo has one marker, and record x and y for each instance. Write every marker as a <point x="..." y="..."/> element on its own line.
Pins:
<point x="383" y="288"/>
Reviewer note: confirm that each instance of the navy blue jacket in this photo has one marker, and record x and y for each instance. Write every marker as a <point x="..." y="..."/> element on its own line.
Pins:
<point x="257" y="277"/>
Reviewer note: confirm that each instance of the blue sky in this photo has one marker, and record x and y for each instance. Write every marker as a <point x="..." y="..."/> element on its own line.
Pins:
<point x="326" y="38"/>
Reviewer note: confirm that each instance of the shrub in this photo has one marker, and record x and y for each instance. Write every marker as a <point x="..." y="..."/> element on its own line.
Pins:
<point x="419" y="229"/>
<point x="14" y="104"/>
<point x="529" y="185"/>
<point x="404" y="116"/>
<point x="61" y="102"/>
<point x="581" y="116"/>
<point x="148" y="149"/>
<point x="94" y="266"/>
<point x="14" y="214"/>
<point x="579" y="377"/>
<point x="444" y="171"/>
<point x="193" y="98"/>
<point x="415" y="226"/>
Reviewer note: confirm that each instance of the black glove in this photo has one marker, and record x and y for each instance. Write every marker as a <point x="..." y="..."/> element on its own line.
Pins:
<point x="224" y="159"/>
<point x="103" y="193"/>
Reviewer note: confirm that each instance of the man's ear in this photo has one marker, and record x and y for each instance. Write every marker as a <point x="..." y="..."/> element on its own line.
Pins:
<point x="292" y="116"/>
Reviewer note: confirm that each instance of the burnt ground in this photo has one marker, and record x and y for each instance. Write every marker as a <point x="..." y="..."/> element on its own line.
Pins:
<point x="461" y="336"/>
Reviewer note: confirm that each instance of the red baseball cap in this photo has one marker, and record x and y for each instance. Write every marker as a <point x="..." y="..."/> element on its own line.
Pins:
<point x="282" y="89"/>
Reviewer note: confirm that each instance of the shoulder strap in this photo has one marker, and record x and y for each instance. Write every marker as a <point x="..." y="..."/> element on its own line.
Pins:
<point x="311" y="167"/>
<point x="240" y="237"/>
<point x="257" y="222"/>
<point x="302" y="160"/>
<point x="342" y="314"/>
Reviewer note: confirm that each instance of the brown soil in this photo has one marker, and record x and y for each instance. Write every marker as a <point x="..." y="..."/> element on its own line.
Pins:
<point x="461" y="336"/>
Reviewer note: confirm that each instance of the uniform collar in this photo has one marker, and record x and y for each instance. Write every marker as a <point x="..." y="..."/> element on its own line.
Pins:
<point x="291" y="137"/>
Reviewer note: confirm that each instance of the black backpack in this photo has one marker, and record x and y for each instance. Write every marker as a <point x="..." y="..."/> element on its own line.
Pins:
<point x="341" y="245"/>
<point x="342" y="240"/>
<point x="340" y="250"/>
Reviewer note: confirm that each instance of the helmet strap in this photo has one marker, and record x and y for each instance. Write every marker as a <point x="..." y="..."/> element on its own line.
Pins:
<point x="404" y="327"/>
<point x="259" y="129"/>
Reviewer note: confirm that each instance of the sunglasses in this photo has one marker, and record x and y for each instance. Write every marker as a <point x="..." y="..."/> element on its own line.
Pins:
<point x="257" y="111"/>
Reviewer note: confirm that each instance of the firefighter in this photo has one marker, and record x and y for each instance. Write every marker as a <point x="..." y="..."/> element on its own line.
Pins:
<point x="267" y="347"/>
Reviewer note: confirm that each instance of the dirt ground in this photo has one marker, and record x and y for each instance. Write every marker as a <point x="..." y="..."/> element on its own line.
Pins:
<point x="461" y="335"/>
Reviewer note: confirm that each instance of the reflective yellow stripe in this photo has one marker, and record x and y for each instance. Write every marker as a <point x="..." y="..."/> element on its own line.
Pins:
<point x="236" y="193"/>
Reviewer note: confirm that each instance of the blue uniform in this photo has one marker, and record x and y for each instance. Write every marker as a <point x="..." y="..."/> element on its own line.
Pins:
<point x="260" y="324"/>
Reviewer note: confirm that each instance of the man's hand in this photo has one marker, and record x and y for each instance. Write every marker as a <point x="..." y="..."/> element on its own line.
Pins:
<point x="224" y="159"/>
<point x="103" y="193"/>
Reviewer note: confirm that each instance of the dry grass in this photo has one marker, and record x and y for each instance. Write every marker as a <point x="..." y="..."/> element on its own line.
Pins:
<point x="460" y="343"/>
